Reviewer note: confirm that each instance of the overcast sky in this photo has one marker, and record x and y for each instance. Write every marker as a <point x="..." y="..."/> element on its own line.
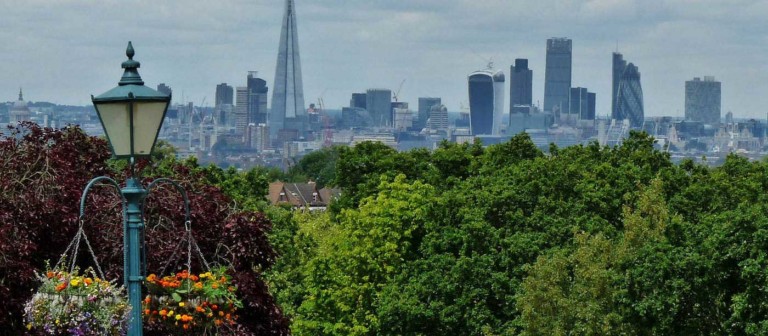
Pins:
<point x="65" y="50"/>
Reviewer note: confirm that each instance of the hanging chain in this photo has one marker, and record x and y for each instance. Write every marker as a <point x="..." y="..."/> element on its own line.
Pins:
<point x="74" y="247"/>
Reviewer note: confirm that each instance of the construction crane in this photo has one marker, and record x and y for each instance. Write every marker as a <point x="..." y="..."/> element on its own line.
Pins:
<point x="397" y="93"/>
<point x="327" y="131"/>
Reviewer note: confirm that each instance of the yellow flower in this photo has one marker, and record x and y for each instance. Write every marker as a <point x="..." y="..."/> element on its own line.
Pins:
<point x="170" y="313"/>
<point x="178" y="317"/>
<point x="75" y="282"/>
<point x="181" y="304"/>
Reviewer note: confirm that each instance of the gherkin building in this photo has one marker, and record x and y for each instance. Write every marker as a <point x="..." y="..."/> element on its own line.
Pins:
<point x="629" y="99"/>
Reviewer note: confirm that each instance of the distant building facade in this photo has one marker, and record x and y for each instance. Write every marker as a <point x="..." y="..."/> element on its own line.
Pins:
<point x="581" y="105"/>
<point x="438" y="118"/>
<point x="486" y="101"/>
<point x="378" y="102"/>
<point x="241" y="109"/>
<point x="288" y="111"/>
<point x="225" y="94"/>
<point x="557" y="75"/>
<point x="702" y="100"/>
<point x="257" y="99"/>
<point x="520" y="85"/>
<point x="629" y="98"/>
<point x="425" y="108"/>
<point x="358" y="101"/>
<point x="619" y="65"/>
<point x="164" y="89"/>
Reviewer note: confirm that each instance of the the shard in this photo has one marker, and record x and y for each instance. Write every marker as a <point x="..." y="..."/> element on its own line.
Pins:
<point x="288" y="115"/>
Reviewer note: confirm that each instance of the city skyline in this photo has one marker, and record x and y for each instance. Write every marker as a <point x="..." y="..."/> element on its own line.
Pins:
<point x="431" y="44"/>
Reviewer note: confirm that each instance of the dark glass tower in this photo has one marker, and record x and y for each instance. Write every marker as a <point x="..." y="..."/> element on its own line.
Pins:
<point x="224" y="94"/>
<point x="520" y="85"/>
<point x="379" y="105"/>
<point x="629" y="99"/>
<point x="288" y="112"/>
<point x="257" y="99"/>
<point x="619" y="65"/>
<point x="486" y="102"/>
<point x="557" y="76"/>
<point x="581" y="104"/>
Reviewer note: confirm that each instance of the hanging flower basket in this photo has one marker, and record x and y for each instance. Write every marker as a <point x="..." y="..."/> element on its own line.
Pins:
<point x="187" y="301"/>
<point x="68" y="303"/>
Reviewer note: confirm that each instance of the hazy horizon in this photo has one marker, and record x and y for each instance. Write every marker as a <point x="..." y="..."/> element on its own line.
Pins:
<point x="65" y="51"/>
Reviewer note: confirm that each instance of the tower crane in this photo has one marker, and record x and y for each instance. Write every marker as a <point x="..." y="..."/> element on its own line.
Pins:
<point x="397" y="93"/>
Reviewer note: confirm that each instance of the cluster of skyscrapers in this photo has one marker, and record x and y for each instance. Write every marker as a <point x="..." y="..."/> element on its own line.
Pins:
<point x="564" y="104"/>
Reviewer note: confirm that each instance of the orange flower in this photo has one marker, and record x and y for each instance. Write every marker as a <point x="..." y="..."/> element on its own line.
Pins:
<point x="193" y="277"/>
<point x="88" y="281"/>
<point x="61" y="286"/>
<point x="199" y="309"/>
<point x="49" y="274"/>
<point x="146" y="311"/>
<point x="147" y="299"/>
<point x="215" y="285"/>
<point x="163" y="312"/>
<point x="198" y="285"/>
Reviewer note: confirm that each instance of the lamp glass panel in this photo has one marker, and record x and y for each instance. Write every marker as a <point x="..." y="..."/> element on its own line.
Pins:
<point x="116" y="121"/>
<point x="147" y="120"/>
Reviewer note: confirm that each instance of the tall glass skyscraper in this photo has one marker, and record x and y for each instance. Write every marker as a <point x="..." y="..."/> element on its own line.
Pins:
<point x="288" y="112"/>
<point x="520" y="85"/>
<point x="619" y="65"/>
<point x="378" y="102"/>
<point x="557" y="76"/>
<point x="629" y="99"/>
<point x="486" y="102"/>
<point x="257" y="99"/>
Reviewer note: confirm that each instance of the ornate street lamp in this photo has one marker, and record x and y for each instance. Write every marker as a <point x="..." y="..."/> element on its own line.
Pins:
<point x="131" y="115"/>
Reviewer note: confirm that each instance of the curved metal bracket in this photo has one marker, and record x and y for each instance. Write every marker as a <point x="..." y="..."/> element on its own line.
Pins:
<point x="180" y="189"/>
<point x="109" y="181"/>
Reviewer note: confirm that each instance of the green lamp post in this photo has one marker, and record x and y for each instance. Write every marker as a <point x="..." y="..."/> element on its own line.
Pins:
<point x="132" y="115"/>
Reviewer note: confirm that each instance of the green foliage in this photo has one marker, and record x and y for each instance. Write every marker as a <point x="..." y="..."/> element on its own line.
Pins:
<point x="318" y="166"/>
<point x="505" y="240"/>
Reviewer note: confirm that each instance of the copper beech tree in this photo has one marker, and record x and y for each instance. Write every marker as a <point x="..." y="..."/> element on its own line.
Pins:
<point x="42" y="175"/>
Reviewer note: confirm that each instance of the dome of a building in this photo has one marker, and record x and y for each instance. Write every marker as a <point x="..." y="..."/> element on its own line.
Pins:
<point x="20" y="105"/>
<point x="19" y="110"/>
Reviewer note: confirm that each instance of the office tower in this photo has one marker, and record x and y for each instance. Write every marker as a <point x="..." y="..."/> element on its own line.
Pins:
<point x="241" y="109"/>
<point x="629" y="98"/>
<point x="288" y="111"/>
<point x="425" y="108"/>
<point x="581" y="105"/>
<point x="438" y="118"/>
<point x="164" y="89"/>
<point x="486" y="102"/>
<point x="557" y="75"/>
<point x="520" y="85"/>
<point x="358" y="100"/>
<point x="257" y="137"/>
<point x="379" y="106"/>
<point x="619" y="65"/>
<point x="224" y="94"/>
<point x="702" y="100"/>
<point x="257" y="99"/>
